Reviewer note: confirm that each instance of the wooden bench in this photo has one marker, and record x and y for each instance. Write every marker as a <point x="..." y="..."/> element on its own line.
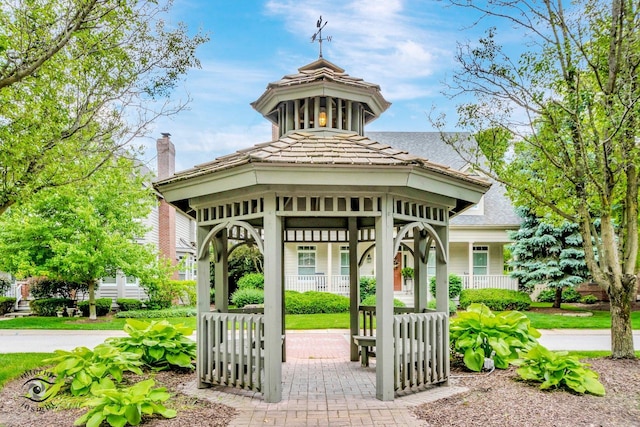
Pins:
<point x="367" y="344"/>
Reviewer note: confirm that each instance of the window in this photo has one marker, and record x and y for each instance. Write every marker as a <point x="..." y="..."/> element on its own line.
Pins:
<point x="480" y="260"/>
<point x="344" y="260"/>
<point x="306" y="260"/>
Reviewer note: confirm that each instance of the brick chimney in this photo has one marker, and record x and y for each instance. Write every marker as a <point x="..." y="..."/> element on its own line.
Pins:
<point x="166" y="213"/>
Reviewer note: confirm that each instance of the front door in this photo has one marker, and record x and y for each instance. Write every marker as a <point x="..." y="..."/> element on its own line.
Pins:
<point x="397" y="270"/>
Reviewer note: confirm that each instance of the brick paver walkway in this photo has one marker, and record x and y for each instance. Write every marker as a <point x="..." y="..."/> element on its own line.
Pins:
<point x="321" y="387"/>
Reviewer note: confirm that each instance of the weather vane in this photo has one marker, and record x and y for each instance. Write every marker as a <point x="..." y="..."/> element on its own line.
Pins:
<point x="318" y="34"/>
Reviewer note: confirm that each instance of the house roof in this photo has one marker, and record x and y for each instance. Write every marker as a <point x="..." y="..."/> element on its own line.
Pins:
<point x="498" y="210"/>
<point x="324" y="148"/>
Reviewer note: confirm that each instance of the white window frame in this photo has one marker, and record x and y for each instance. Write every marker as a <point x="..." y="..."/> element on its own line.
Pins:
<point x="344" y="250"/>
<point x="480" y="250"/>
<point x="307" y="251"/>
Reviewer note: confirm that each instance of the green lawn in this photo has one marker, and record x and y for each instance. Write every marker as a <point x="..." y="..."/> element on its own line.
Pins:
<point x="13" y="365"/>
<point x="103" y="323"/>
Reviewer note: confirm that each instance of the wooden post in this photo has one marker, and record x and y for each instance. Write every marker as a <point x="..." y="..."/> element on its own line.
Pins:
<point x="222" y="271"/>
<point x="354" y="285"/>
<point x="204" y="303"/>
<point x="420" y="283"/>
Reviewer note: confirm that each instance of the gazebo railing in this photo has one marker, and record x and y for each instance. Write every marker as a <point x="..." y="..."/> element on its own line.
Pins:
<point x="231" y="350"/>
<point x="421" y="349"/>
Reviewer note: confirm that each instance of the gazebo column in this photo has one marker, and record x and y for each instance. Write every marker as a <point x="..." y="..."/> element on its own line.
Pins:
<point x="273" y="301"/>
<point x="222" y="270"/>
<point x="442" y="274"/>
<point x="384" y="300"/>
<point x="354" y="285"/>
<point x="203" y="300"/>
<point x="420" y="257"/>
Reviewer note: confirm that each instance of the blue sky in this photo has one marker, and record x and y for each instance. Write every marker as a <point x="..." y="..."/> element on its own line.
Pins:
<point x="406" y="47"/>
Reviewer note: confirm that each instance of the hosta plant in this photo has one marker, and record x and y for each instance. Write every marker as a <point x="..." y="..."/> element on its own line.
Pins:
<point x="160" y="344"/>
<point x="477" y="333"/>
<point x="119" y="407"/>
<point x="80" y="368"/>
<point x="558" y="370"/>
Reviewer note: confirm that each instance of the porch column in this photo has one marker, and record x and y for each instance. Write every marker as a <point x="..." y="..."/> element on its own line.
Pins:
<point x="203" y="301"/>
<point x="273" y="302"/>
<point x="420" y="256"/>
<point x="354" y="287"/>
<point x="329" y="275"/>
<point x="222" y="271"/>
<point x="470" y="267"/>
<point x="384" y="300"/>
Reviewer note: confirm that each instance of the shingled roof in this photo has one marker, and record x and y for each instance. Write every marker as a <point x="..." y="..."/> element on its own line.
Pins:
<point x="322" y="148"/>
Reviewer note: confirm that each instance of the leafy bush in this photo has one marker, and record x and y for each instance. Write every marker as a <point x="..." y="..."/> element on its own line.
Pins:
<point x="44" y="287"/>
<point x="315" y="302"/>
<point x="125" y="406"/>
<point x="371" y="300"/>
<point x="103" y="306"/>
<point x="5" y="285"/>
<point x="452" y="306"/>
<point x="160" y="344"/>
<point x="251" y="281"/>
<point x="589" y="299"/>
<point x="496" y="299"/>
<point x="243" y="297"/>
<point x="407" y="272"/>
<point x="163" y="292"/>
<point x="367" y="287"/>
<point x="79" y="369"/>
<point x="6" y="304"/>
<point x="478" y="334"/>
<point x="157" y="314"/>
<point x="568" y="295"/>
<point x="127" y="304"/>
<point x="455" y="286"/>
<point x="558" y="370"/>
<point x="49" y="306"/>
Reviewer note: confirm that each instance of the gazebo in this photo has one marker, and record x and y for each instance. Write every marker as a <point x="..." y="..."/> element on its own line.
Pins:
<point x="322" y="180"/>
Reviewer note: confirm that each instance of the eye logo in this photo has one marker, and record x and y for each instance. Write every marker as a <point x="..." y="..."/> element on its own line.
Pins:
<point x="36" y="388"/>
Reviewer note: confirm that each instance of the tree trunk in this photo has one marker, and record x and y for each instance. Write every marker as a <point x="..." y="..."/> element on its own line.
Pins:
<point x="92" y="301"/>
<point x="558" y="299"/>
<point x="620" y="300"/>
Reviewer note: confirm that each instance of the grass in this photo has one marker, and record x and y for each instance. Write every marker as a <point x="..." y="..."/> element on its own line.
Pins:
<point x="12" y="365"/>
<point x="103" y="323"/>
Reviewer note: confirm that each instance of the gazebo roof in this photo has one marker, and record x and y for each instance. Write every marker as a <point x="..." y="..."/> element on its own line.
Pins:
<point x="323" y="149"/>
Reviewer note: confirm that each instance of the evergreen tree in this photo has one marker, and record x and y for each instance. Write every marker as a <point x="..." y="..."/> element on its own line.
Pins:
<point x="545" y="253"/>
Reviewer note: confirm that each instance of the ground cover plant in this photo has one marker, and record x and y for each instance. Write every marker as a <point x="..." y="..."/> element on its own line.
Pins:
<point x="495" y="299"/>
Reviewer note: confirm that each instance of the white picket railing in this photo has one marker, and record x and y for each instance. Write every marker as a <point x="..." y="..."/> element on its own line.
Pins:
<point x="230" y="350"/>
<point x="421" y="349"/>
<point x="336" y="284"/>
<point x="499" y="281"/>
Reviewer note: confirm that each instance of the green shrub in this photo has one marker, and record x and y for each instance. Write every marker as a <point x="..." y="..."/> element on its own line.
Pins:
<point x="371" y="300"/>
<point x="103" y="306"/>
<point x="163" y="292"/>
<point x="455" y="286"/>
<point x="242" y="297"/>
<point x="251" y="281"/>
<point x="44" y="287"/>
<point x="496" y="299"/>
<point x="160" y="344"/>
<point x="315" y="302"/>
<point x="127" y="304"/>
<point x="452" y="306"/>
<point x="367" y="287"/>
<point x="158" y="314"/>
<point x="558" y="370"/>
<point x="6" y="304"/>
<point x="5" y="285"/>
<point x="49" y="306"/>
<point x="568" y="295"/>
<point x="589" y="299"/>
<point x="478" y="334"/>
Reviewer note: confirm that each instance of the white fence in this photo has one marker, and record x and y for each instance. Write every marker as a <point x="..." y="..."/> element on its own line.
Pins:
<point x="498" y="281"/>
<point x="336" y="284"/>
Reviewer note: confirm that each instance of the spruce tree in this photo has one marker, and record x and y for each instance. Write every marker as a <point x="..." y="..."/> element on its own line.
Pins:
<point x="546" y="253"/>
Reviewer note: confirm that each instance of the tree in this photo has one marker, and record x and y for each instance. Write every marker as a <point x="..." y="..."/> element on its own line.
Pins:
<point x="570" y="109"/>
<point x="81" y="79"/>
<point x="546" y="253"/>
<point x="81" y="233"/>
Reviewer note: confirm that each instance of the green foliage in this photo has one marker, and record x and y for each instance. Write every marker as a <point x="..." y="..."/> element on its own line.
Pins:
<point x="45" y="287"/>
<point x="127" y="304"/>
<point x="589" y="299"/>
<point x="103" y="307"/>
<point x="163" y="291"/>
<point x="243" y="260"/>
<point x="6" y="304"/>
<point x="314" y="302"/>
<point x="371" y="300"/>
<point x="495" y="299"/>
<point x="160" y="344"/>
<point x="242" y="297"/>
<point x="124" y="406"/>
<point x="5" y="285"/>
<point x="477" y="334"/>
<point x="49" y="306"/>
<point x="568" y="295"/>
<point x="367" y="287"/>
<point x="407" y="272"/>
<point x="251" y="281"/>
<point x="452" y="306"/>
<point x="455" y="286"/>
<point x="157" y="314"/>
<point x="558" y="370"/>
<point x="79" y="369"/>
